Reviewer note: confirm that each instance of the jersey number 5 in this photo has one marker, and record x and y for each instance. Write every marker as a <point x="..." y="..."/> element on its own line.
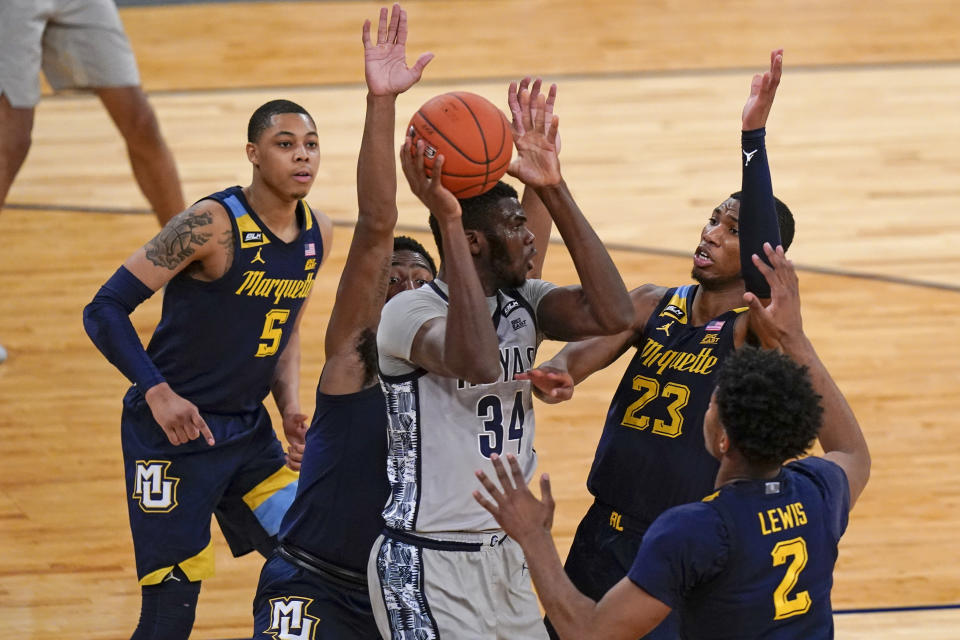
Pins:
<point x="490" y="410"/>
<point x="649" y="389"/>
<point x="272" y="332"/>
<point x="785" y="606"/>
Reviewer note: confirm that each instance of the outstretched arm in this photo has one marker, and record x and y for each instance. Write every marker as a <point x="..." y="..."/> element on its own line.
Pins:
<point x="758" y="215"/>
<point x="779" y="324"/>
<point x="363" y="284"/>
<point x="600" y="306"/>
<point x="624" y="613"/>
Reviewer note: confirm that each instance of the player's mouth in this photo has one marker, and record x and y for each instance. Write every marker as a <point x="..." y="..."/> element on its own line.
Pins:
<point x="701" y="258"/>
<point x="303" y="176"/>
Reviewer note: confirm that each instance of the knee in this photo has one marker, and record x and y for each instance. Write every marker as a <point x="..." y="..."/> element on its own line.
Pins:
<point x="168" y="610"/>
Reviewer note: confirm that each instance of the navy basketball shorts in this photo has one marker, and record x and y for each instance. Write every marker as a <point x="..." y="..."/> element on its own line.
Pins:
<point x="172" y="491"/>
<point x="602" y="551"/>
<point x="293" y="602"/>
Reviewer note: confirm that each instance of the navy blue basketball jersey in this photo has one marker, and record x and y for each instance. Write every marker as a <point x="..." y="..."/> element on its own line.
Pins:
<point x="218" y="342"/>
<point x="651" y="454"/>
<point x="336" y="515"/>
<point x="753" y="560"/>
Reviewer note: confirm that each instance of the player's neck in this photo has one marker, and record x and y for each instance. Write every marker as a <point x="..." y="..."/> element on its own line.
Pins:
<point x="710" y="303"/>
<point x="733" y="468"/>
<point x="278" y="212"/>
<point x="486" y="279"/>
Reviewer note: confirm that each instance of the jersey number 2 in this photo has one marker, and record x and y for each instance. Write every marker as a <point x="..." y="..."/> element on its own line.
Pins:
<point x="490" y="410"/>
<point x="785" y="606"/>
<point x="272" y="332"/>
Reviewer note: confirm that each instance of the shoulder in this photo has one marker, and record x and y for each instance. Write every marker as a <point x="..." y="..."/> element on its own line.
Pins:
<point x="324" y="228"/>
<point x="822" y="472"/>
<point x="645" y="299"/>
<point x="534" y="290"/>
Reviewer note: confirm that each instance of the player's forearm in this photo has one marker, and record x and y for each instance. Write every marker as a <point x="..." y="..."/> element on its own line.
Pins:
<point x="570" y="612"/>
<point x="376" y="166"/>
<point x="285" y="387"/>
<point x="471" y="348"/>
<point x="607" y="301"/>
<point x="757" y="222"/>
<point x="840" y="431"/>
<point x="107" y="321"/>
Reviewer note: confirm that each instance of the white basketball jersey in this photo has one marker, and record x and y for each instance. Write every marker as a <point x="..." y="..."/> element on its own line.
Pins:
<point x="443" y="429"/>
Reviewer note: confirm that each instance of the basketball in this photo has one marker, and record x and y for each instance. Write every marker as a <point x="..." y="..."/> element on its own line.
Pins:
<point x="472" y="134"/>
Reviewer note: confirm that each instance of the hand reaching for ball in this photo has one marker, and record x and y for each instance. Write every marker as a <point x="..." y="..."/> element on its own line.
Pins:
<point x="537" y="163"/>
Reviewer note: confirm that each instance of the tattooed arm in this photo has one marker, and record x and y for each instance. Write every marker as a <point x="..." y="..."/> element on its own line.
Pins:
<point x="199" y="239"/>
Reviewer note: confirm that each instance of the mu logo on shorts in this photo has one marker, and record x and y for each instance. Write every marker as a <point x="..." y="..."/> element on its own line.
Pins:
<point x="289" y="619"/>
<point x="153" y="488"/>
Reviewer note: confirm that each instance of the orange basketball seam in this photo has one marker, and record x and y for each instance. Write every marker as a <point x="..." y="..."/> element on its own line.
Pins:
<point x="450" y="142"/>
<point x="483" y="138"/>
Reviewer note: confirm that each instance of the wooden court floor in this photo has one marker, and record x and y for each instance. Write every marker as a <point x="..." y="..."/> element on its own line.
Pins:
<point x="863" y="142"/>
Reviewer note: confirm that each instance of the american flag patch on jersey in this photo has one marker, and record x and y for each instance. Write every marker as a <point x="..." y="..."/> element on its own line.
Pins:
<point x="714" y="325"/>
<point x="309" y="249"/>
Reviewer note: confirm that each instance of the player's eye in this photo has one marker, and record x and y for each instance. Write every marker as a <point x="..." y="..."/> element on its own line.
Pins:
<point x="394" y="280"/>
<point x="421" y="282"/>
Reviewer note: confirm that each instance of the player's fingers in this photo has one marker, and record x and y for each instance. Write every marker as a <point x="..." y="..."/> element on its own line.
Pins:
<point x="382" y="26"/>
<point x="171" y="434"/>
<point x="526" y="118"/>
<point x="501" y="473"/>
<point x="489" y="486"/>
<point x="394" y="24"/>
<point x="366" y="35"/>
<point x="438" y="170"/>
<point x="518" y="480"/>
<point x="204" y="430"/>
<point x="486" y="504"/>
<point x="535" y="96"/>
<point x="421" y="63"/>
<point x="402" y="28"/>
<point x="546" y="495"/>
<point x="538" y="112"/>
<point x="554" y="131"/>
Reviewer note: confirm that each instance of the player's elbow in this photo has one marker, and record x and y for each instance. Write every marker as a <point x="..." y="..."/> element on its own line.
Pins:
<point x="482" y="373"/>
<point x="615" y="319"/>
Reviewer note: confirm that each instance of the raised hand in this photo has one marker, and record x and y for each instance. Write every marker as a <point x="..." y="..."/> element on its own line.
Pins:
<point x="385" y="64"/>
<point x="551" y="385"/>
<point x="178" y="417"/>
<point x="780" y="320"/>
<point x="535" y="133"/>
<point x="438" y="199"/>
<point x="763" y="88"/>
<point x="517" y="510"/>
<point x="295" y="430"/>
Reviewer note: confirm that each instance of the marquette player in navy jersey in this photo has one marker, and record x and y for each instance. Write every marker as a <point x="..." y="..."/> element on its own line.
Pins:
<point x="238" y="267"/>
<point x="651" y="456"/>
<point x="755" y="558"/>
<point x="315" y="585"/>
<point x="449" y="353"/>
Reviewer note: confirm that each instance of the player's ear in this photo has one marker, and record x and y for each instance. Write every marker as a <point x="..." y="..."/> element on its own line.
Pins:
<point x="723" y="442"/>
<point x="476" y="240"/>
<point x="253" y="154"/>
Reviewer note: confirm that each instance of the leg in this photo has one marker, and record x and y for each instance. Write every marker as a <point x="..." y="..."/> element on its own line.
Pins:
<point x="168" y="609"/>
<point x="152" y="162"/>
<point x="16" y="126"/>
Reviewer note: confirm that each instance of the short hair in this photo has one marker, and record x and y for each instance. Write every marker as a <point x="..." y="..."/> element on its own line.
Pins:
<point x="261" y="119"/>
<point x="406" y="243"/>
<point x="477" y="212"/>
<point x="784" y="219"/>
<point x="767" y="404"/>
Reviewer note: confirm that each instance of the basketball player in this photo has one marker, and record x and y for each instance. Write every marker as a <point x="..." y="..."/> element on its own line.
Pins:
<point x="315" y="585"/>
<point x="238" y="267"/>
<point x="651" y="455"/>
<point x="80" y="44"/>
<point x="449" y="354"/>
<point x="755" y="558"/>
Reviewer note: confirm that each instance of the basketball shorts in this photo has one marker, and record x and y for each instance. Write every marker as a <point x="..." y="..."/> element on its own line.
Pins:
<point x="297" y="601"/>
<point x="602" y="551"/>
<point x="172" y="491"/>
<point x="462" y="587"/>
<point x="80" y="44"/>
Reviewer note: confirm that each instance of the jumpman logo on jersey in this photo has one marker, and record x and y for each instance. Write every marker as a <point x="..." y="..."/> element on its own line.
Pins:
<point x="666" y="328"/>
<point x="258" y="257"/>
<point x="749" y="156"/>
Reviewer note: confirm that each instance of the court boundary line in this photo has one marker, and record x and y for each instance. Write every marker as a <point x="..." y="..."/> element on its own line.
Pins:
<point x="612" y="246"/>
<point x="928" y="607"/>
<point x="631" y="74"/>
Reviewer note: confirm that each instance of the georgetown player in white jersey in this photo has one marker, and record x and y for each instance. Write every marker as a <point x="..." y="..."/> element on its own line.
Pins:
<point x="449" y="353"/>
